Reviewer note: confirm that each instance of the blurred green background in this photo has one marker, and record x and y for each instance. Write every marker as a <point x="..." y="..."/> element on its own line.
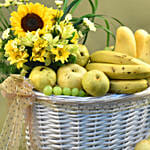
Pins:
<point x="133" y="13"/>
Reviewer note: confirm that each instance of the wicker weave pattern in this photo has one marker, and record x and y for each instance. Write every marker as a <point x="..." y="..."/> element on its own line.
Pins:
<point x="107" y="126"/>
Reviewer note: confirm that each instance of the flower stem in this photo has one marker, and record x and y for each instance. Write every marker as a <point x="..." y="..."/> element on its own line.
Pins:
<point x="86" y="35"/>
<point x="1" y="29"/>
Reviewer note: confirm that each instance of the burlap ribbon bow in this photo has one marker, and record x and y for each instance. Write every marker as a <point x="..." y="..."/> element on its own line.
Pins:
<point x="20" y="96"/>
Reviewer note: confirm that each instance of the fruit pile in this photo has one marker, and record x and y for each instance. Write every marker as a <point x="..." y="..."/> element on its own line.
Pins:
<point x="123" y="69"/>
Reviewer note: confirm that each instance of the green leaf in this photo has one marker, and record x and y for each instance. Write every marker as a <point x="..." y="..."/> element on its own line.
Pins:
<point x="108" y="34"/>
<point x="67" y="10"/>
<point x="105" y="29"/>
<point x="65" y="5"/>
<point x="117" y="21"/>
<point x="2" y="22"/>
<point x="75" y="19"/>
<point x="92" y="6"/>
<point x="1" y="29"/>
<point x="3" y="17"/>
<point x="75" y="6"/>
<point x="72" y="59"/>
<point x="96" y="4"/>
<point x="85" y="38"/>
<point x="6" y="69"/>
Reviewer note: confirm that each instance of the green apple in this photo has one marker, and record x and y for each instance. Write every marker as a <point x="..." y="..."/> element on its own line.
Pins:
<point x="143" y="145"/>
<point x="42" y="76"/>
<point x="82" y="55"/>
<point x="95" y="83"/>
<point x="70" y="76"/>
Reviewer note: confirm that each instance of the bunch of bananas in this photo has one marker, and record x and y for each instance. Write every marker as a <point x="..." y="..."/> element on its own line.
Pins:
<point x="128" y="73"/>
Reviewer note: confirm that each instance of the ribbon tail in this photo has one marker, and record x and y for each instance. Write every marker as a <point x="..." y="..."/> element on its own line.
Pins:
<point x="9" y="127"/>
<point x="14" y="144"/>
<point x="11" y="134"/>
<point x="29" y="121"/>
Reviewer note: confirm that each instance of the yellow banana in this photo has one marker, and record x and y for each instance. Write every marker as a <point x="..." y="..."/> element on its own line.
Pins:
<point x="148" y="80"/>
<point x="125" y="41"/>
<point x="128" y="86"/>
<point x="140" y="36"/>
<point x="114" y="71"/>
<point x="113" y="57"/>
<point x="145" y="54"/>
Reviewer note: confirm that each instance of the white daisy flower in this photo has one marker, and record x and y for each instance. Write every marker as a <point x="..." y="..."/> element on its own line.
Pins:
<point x="59" y="3"/>
<point x="22" y="48"/>
<point x="5" y="34"/>
<point x="68" y="17"/>
<point x="89" y="24"/>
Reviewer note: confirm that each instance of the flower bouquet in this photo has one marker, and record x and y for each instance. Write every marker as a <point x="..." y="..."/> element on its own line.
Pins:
<point x="38" y="35"/>
<point x="46" y="48"/>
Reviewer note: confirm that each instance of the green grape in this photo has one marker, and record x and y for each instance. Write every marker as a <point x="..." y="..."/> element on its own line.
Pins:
<point x="57" y="90"/>
<point x="81" y="93"/>
<point x="75" y="92"/>
<point x="66" y="91"/>
<point x="47" y="90"/>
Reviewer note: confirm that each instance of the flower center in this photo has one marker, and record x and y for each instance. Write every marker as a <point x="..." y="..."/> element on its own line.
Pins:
<point x="60" y="53"/>
<point x="31" y="22"/>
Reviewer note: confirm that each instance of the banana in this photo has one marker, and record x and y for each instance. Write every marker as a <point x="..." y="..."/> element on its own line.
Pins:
<point x="145" y="55"/>
<point x="128" y="86"/>
<point x="114" y="71"/>
<point x="103" y="56"/>
<point x="148" y="80"/>
<point x="125" y="41"/>
<point x="140" y="36"/>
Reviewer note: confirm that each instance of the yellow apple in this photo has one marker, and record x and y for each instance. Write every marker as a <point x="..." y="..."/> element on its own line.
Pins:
<point x="82" y="55"/>
<point x="70" y="76"/>
<point x="41" y="76"/>
<point x="143" y="145"/>
<point x="95" y="83"/>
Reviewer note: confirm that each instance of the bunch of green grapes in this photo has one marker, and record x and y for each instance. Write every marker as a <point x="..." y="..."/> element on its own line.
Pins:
<point x="49" y="90"/>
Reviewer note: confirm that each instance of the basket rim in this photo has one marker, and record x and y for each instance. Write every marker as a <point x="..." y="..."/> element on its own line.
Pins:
<point x="113" y="98"/>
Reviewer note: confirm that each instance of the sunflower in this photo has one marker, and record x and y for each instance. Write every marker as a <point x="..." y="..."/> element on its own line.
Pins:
<point x="15" y="56"/>
<point x="61" y="54"/>
<point x="31" y="17"/>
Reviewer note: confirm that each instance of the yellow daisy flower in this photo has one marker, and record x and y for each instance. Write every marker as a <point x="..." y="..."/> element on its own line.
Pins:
<point x="75" y="38"/>
<point x="15" y="56"/>
<point x="39" y="50"/>
<point x="61" y="54"/>
<point x="67" y="31"/>
<point x="31" y="17"/>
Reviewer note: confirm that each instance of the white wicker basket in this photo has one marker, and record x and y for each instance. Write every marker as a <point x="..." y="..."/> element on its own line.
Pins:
<point x="112" y="122"/>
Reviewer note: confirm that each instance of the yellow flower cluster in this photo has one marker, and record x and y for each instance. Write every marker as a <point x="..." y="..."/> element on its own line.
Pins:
<point x="39" y="50"/>
<point x="15" y="54"/>
<point x="40" y="37"/>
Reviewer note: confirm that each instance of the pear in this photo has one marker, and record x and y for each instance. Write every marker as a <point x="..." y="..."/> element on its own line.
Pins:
<point x="41" y="76"/>
<point x="143" y="145"/>
<point x="95" y="83"/>
<point x="82" y="55"/>
<point x="70" y="76"/>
